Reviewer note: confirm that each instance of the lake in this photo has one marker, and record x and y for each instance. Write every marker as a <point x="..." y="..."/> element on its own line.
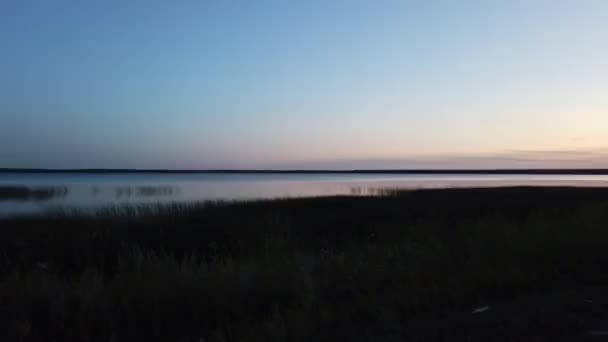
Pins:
<point x="35" y="193"/>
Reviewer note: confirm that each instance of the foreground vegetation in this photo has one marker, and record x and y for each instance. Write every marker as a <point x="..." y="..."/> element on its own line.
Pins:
<point x="402" y="266"/>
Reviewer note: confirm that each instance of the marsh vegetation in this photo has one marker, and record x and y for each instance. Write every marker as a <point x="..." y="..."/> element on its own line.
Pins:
<point x="406" y="265"/>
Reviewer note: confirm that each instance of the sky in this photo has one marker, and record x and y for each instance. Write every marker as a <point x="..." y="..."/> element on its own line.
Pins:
<point x="337" y="84"/>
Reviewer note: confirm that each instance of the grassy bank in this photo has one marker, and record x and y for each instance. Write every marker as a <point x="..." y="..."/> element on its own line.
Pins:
<point x="403" y="266"/>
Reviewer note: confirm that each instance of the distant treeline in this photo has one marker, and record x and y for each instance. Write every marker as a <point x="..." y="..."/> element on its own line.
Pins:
<point x="378" y="171"/>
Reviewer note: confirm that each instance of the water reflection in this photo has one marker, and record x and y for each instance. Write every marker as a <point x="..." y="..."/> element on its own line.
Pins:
<point x="29" y="194"/>
<point x="144" y="191"/>
<point x="24" y="193"/>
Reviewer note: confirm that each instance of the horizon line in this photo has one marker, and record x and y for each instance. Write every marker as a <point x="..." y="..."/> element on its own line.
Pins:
<point x="505" y="171"/>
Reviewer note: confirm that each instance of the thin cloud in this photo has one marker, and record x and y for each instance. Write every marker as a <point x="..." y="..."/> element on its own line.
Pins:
<point x="591" y="158"/>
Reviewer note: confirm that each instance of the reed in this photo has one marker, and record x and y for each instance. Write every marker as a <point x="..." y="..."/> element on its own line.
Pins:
<point x="404" y="265"/>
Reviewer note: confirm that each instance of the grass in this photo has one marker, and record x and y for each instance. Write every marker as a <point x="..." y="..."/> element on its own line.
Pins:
<point x="20" y="193"/>
<point x="401" y="266"/>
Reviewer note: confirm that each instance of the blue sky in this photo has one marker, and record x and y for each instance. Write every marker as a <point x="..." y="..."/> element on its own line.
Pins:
<point x="303" y="84"/>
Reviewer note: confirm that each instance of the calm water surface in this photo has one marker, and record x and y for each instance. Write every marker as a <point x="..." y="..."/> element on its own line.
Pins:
<point x="28" y="194"/>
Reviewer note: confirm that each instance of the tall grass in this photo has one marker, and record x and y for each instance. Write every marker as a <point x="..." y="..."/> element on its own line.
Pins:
<point x="357" y="269"/>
